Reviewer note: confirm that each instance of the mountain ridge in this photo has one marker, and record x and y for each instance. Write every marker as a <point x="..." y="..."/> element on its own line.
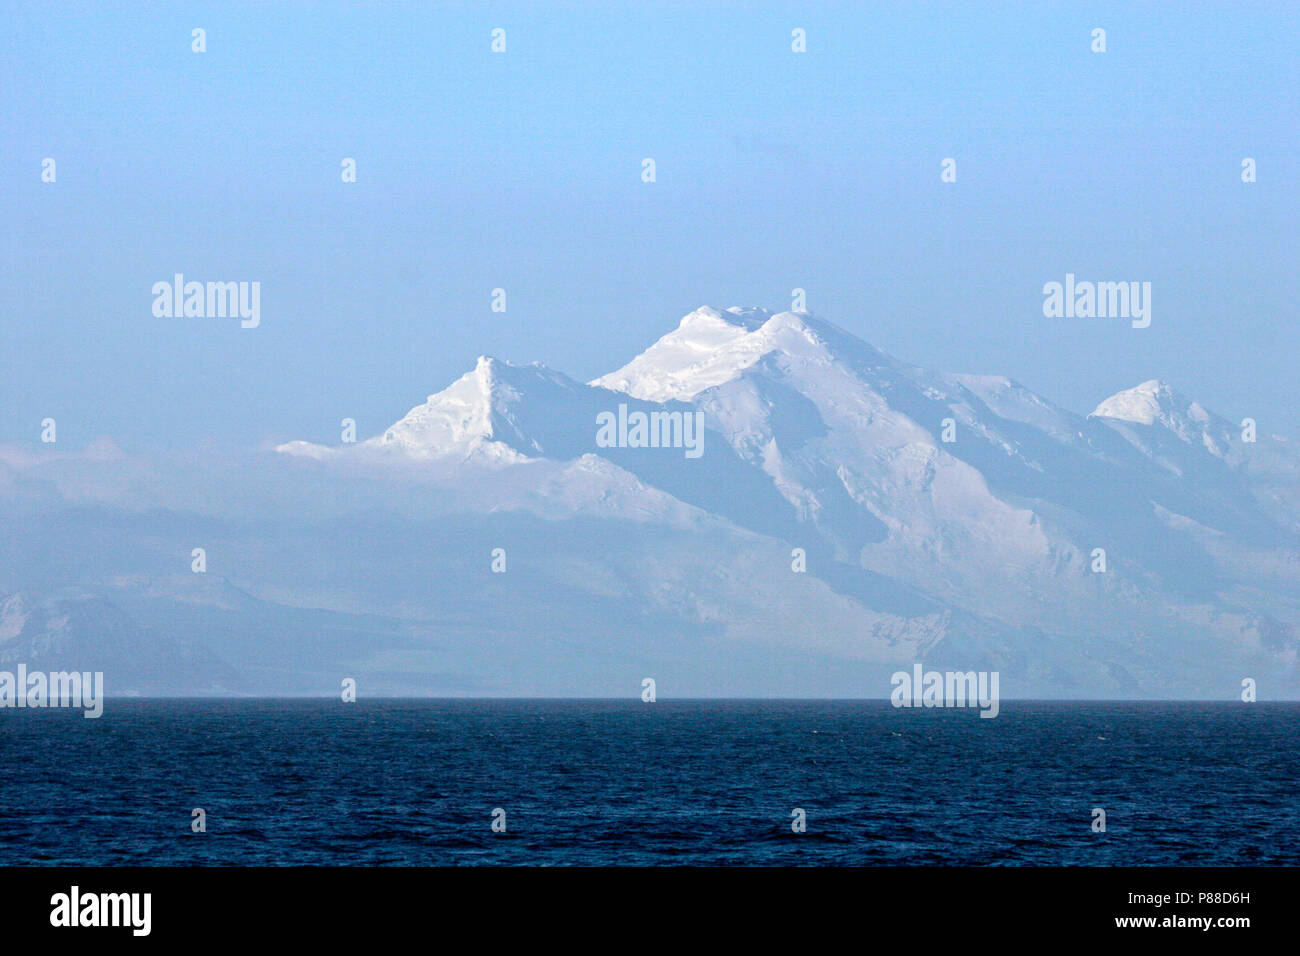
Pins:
<point x="849" y="513"/>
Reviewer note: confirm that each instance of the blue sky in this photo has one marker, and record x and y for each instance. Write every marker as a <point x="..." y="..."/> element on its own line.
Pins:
<point x="522" y="170"/>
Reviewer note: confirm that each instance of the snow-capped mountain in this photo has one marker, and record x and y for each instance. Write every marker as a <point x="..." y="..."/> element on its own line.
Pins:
<point x="1096" y="551"/>
<point x="471" y="419"/>
<point x="848" y="514"/>
<point x="1163" y="412"/>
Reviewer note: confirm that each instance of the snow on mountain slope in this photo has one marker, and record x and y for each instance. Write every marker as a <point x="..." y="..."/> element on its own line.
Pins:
<point x="471" y="416"/>
<point x="1154" y="403"/>
<point x="913" y="492"/>
<point x="591" y="485"/>
<point x="1004" y="518"/>
<point x="1208" y="453"/>
<point x="850" y="437"/>
<point x="710" y="347"/>
<point x="833" y="443"/>
<point x="474" y="418"/>
<point x="496" y="414"/>
<point x="1012" y="401"/>
<point x="707" y="348"/>
<point x="949" y="516"/>
<point x="504" y="416"/>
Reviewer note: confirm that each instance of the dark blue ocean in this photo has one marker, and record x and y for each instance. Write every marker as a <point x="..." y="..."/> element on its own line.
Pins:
<point x="414" y="782"/>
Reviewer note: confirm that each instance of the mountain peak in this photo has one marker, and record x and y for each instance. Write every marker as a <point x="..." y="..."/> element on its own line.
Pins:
<point x="475" y="417"/>
<point x="477" y="414"/>
<point x="1154" y="403"/>
<point x="707" y="318"/>
<point x="1148" y="403"/>
<point x="710" y="347"/>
